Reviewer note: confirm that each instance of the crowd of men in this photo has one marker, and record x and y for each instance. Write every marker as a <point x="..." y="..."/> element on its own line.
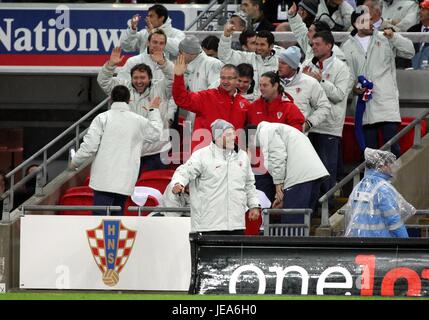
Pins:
<point x="294" y="99"/>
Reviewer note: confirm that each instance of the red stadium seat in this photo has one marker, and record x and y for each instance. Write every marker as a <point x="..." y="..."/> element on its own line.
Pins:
<point x="406" y="142"/>
<point x="79" y="189"/>
<point x="77" y="196"/>
<point x="351" y="151"/>
<point x="86" y="182"/>
<point x="158" y="179"/>
<point x="150" y="202"/>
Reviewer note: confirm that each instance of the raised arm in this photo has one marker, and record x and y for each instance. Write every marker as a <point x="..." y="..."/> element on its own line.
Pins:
<point x="402" y="46"/>
<point x="105" y="77"/>
<point x="191" y="101"/>
<point x="131" y="39"/>
<point x="298" y="27"/>
<point x="226" y="54"/>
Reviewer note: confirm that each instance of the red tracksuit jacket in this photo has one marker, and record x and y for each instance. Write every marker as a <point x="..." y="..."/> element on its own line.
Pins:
<point x="209" y="105"/>
<point x="281" y="110"/>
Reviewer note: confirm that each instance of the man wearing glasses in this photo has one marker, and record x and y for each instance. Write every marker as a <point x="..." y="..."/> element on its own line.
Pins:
<point x="223" y="102"/>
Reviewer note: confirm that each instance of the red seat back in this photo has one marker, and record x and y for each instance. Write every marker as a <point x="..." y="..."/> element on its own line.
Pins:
<point x="158" y="179"/>
<point x="74" y="197"/>
<point x="150" y="202"/>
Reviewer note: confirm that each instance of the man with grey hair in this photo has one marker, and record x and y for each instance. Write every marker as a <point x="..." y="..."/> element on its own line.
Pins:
<point x="221" y="184"/>
<point x="379" y="23"/>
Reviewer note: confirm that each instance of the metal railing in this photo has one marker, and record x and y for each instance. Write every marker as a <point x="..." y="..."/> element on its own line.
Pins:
<point x="42" y="170"/>
<point x="222" y="9"/>
<point x="158" y="209"/>
<point x="108" y="209"/>
<point x="355" y="174"/>
<point x="286" y="229"/>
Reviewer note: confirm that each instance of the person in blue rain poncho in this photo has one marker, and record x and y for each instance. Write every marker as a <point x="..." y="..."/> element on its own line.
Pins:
<point x="375" y="208"/>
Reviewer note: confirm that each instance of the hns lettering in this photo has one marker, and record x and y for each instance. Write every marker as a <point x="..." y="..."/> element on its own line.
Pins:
<point x="111" y="244"/>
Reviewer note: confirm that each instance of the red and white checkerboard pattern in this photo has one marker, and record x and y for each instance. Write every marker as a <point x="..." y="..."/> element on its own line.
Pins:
<point x="97" y="244"/>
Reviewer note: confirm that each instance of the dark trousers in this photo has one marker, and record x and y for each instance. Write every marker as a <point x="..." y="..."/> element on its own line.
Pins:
<point x="300" y="196"/>
<point x="152" y="162"/>
<point x="388" y="131"/>
<point x="327" y="147"/>
<point x="265" y="184"/>
<point x="102" y="198"/>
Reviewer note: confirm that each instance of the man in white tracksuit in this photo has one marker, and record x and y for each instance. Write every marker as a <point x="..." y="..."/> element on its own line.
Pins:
<point x="263" y="60"/>
<point x="334" y="77"/>
<point x="293" y="163"/>
<point x="156" y="42"/>
<point x="372" y="54"/>
<point x="115" y="138"/>
<point x="304" y="35"/>
<point x="306" y="91"/>
<point x="401" y="13"/>
<point x="143" y="90"/>
<point x="221" y="184"/>
<point x="157" y="18"/>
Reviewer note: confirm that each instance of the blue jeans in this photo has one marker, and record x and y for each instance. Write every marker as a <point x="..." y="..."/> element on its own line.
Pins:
<point x="152" y="162"/>
<point x="300" y="196"/>
<point x="327" y="148"/>
<point x="102" y="198"/>
<point x="388" y="131"/>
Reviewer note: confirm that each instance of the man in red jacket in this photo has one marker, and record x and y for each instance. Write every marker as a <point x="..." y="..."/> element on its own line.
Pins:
<point x="223" y="102"/>
<point x="274" y="105"/>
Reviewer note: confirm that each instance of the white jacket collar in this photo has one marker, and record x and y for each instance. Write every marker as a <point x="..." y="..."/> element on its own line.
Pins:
<point x="120" y="106"/>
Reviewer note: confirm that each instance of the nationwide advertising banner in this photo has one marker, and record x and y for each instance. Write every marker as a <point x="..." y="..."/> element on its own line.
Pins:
<point x="310" y="266"/>
<point x="71" y="37"/>
<point x="105" y="253"/>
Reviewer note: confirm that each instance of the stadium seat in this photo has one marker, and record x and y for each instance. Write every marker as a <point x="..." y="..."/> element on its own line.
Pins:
<point x="77" y="196"/>
<point x="86" y="182"/>
<point x="158" y="179"/>
<point x="150" y="202"/>
<point x="351" y="152"/>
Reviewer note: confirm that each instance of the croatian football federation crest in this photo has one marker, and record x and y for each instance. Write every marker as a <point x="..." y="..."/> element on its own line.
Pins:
<point x="111" y="244"/>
